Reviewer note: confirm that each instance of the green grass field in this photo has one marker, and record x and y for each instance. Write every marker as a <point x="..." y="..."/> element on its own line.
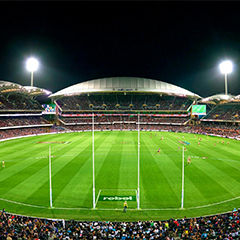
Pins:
<point x="212" y="180"/>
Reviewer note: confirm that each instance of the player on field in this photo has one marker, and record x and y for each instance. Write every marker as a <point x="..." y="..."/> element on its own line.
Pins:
<point x="125" y="206"/>
<point x="161" y="138"/>
<point x="214" y="144"/>
<point x="188" y="160"/>
<point x="159" y="150"/>
<point x="3" y="164"/>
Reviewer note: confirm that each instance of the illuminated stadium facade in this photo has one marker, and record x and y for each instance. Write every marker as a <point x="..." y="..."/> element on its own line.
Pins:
<point x="116" y="102"/>
<point x="120" y="99"/>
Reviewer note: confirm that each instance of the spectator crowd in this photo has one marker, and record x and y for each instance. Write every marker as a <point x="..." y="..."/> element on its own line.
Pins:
<point x="222" y="226"/>
<point x="123" y="101"/>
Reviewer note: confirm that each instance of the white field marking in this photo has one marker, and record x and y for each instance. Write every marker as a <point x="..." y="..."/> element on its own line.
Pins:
<point x="227" y="160"/>
<point x="99" y="192"/>
<point x="67" y="145"/>
<point x="201" y="143"/>
<point x="208" y="205"/>
<point x="137" y="196"/>
<point x="24" y="204"/>
<point x="179" y="144"/>
<point x="104" y="209"/>
<point x="21" y="159"/>
<point x="125" y="190"/>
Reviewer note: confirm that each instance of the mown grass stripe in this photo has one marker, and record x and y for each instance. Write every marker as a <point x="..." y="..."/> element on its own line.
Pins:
<point x="108" y="172"/>
<point x="152" y="177"/>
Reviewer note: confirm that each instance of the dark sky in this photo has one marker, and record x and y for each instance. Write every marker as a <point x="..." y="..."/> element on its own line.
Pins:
<point x="181" y="43"/>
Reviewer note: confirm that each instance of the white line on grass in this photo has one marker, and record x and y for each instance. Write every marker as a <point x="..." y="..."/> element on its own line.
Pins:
<point x="65" y="145"/>
<point x="118" y="189"/>
<point x="68" y="144"/>
<point x="106" y="209"/>
<point x="179" y="144"/>
<point x="99" y="192"/>
<point x="208" y="205"/>
<point x="201" y="143"/>
<point x="24" y="204"/>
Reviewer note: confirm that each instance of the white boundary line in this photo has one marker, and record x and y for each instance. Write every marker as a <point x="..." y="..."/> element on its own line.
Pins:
<point x="104" y="209"/>
<point x="24" y="204"/>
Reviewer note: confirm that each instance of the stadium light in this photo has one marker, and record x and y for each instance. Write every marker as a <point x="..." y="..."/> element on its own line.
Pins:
<point x="32" y="65"/>
<point x="225" y="68"/>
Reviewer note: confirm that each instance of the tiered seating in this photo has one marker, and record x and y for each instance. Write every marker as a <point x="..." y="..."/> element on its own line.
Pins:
<point x="18" y="102"/>
<point x="123" y="119"/>
<point x="123" y="102"/>
<point x="21" y="121"/>
<point x="225" y="112"/>
<point x="222" y="226"/>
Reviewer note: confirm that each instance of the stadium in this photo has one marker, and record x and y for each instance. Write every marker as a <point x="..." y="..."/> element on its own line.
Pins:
<point x="105" y="141"/>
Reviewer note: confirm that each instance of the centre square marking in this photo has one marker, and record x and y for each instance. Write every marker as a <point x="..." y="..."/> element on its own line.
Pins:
<point x="117" y="198"/>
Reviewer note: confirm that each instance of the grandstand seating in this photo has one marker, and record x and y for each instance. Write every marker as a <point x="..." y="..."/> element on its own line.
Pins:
<point x="123" y="102"/>
<point x="228" y="111"/>
<point x="21" y="121"/>
<point x="18" y="102"/>
<point x="123" y="119"/>
<point x="222" y="226"/>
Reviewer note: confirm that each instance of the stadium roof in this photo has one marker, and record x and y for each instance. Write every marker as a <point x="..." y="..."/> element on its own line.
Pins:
<point x="217" y="98"/>
<point x="10" y="87"/>
<point x="236" y="99"/>
<point x="37" y="91"/>
<point x="124" y="84"/>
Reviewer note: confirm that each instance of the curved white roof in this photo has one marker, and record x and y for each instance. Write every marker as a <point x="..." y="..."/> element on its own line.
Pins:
<point x="15" y="87"/>
<point x="218" y="98"/>
<point x="8" y="84"/>
<point x="37" y="91"/>
<point x="124" y="84"/>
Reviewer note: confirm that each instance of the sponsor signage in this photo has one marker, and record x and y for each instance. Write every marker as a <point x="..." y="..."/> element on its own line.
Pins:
<point x="117" y="198"/>
<point x="131" y="115"/>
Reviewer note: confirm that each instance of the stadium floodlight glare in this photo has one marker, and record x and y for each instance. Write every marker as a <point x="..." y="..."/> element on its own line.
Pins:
<point x="225" y="68"/>
<point x="32" y="65"/>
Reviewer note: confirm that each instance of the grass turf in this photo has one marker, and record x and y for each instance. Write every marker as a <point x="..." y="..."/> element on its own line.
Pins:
<point x="211" y="184"/>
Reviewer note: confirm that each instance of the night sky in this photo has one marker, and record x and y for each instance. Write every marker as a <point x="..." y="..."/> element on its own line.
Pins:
<point x="181" y="43"/>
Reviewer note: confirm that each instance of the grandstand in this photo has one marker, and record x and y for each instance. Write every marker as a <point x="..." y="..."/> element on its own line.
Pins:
<point x="20" y="112"/>
<point x="222" y="114"/>
<point x="117" y="101"/>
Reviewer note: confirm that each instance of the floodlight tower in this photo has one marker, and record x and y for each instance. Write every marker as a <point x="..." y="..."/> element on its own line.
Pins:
<point x="32" y="65"/>
<point x="226" y="67"/>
